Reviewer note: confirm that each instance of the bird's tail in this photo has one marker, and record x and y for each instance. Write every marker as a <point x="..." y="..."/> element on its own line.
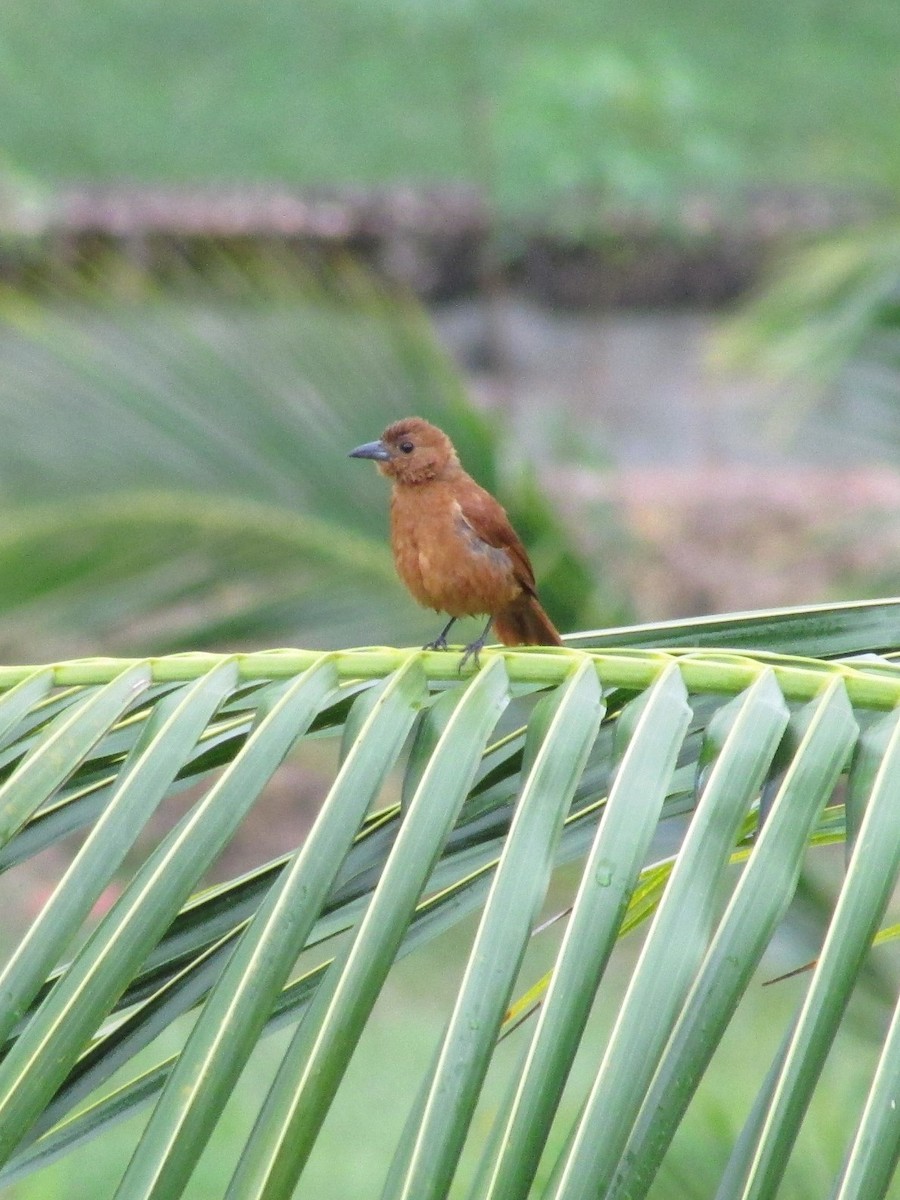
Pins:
<point x="524" y="623"/>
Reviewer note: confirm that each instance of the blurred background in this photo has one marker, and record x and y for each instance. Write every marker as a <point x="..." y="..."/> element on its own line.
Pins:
<point x="642" y="261"/>
<point x="642" y="264"/>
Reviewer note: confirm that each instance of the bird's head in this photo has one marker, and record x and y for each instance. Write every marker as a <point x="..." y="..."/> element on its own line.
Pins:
<point x="411" y="451"/>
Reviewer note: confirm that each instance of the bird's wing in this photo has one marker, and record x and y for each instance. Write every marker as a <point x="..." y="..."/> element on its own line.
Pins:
<point x="487" y="520"/>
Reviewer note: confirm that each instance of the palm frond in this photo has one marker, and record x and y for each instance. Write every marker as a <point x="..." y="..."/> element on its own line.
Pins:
<point x="683" y="787"/>
<point x="825" y="324"/>
<point x="174" y="468"/>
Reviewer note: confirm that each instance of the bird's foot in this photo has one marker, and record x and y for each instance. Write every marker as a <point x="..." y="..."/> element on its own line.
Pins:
<point x="439" y="643"/>
<point x="471" y="651"/>
<point x="474" y="648"/>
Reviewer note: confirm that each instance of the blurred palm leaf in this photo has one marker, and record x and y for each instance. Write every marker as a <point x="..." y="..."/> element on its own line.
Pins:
<point x="174" y="468"/>
<point x="504" y="776"/>
<point x="823" y="305"/>
<point x="828" y="321"/>
<point x="827" y="324"/>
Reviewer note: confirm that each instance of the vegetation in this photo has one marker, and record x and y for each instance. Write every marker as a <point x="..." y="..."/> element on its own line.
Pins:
<point x="828" y="321"/>
<point x="640" y="101"/>
<point x="520" y="951"/>
<point x="174" y="472"/>
<point x="452" y="797"/>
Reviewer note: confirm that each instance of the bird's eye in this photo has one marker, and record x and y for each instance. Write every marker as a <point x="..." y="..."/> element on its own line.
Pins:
<point x="407" y="447"/>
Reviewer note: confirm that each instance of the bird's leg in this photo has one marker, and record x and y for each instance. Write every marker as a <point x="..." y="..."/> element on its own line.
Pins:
<point x="475" y="648"/>
<point x="440" y="642"/>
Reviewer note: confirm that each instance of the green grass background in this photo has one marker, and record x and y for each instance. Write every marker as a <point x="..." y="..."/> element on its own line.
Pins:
<point x="642" y="99"/>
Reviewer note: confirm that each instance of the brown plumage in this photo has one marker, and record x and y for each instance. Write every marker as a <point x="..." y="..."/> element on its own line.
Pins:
<point x="453" y="545"/>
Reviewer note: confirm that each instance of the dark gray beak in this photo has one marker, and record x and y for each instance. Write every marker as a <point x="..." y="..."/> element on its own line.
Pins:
<point x="377" y="450"/>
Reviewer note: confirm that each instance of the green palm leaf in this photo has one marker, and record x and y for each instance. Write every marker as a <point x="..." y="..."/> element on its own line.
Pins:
<point x="646" y="770"/>
<point x="194" y="487"/>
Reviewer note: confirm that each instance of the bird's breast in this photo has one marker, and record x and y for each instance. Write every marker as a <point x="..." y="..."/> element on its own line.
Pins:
<point x="441" y="559"/>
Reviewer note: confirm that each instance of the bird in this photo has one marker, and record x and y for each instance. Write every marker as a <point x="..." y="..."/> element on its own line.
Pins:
<point x="453" y="545"/>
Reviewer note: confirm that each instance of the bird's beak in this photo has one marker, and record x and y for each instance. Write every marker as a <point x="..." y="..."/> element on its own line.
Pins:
<point x="377" y="450"/>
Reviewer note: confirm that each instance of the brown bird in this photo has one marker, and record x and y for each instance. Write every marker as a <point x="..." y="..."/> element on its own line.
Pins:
<point x="453" y="545"/>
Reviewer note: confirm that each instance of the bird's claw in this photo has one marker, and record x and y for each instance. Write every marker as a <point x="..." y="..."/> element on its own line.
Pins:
<point x="471" y="651"/>
<point x="439" y="643"/>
